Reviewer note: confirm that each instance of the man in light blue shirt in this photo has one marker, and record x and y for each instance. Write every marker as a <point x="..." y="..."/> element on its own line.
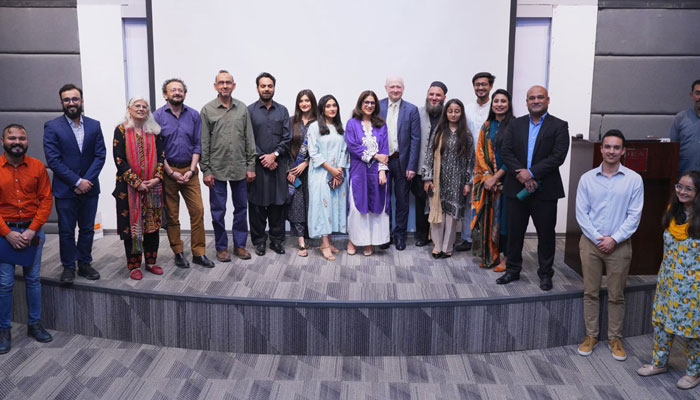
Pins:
<point x="609" y="202"/>
<point x="686" y="130"/>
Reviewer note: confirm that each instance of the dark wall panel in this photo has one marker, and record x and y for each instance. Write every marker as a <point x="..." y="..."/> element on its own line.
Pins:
<point x="643" y="85"/>
<point x="34" y="122"/>
<point x="39" y="30"/>
<point x="648" y="32"/>
<point x="31" y="82"/>
<point x="633" y="126"/>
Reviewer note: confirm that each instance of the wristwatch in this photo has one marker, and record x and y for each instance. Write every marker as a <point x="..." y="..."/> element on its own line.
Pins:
<point x="276" y="153"/>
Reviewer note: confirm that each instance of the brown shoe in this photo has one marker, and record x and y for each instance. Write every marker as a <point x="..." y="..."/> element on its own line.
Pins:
<point x="223" y="256"/>
<point x="242" y="253"/>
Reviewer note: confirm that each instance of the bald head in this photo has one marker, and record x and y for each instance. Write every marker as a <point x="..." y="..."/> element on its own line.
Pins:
<point x="537" y="100"/>
<point x="394" y="88"/>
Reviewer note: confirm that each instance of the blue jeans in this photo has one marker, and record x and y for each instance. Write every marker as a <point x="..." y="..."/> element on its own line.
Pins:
<point x="32" y="283"/>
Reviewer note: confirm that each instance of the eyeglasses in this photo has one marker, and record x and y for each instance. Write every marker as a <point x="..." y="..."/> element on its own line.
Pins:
<point x="481" y="84"/>
<point x="69" y="100"/>
<point x="369" y="103"/>
<point x="681" y="188"/>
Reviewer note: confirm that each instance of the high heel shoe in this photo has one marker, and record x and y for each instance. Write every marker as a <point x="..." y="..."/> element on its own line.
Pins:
<point x="329" y="257"/>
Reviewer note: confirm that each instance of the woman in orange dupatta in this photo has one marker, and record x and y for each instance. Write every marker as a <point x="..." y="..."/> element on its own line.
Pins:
<point x="488" y="222"/>
<point x="138" y="155"/>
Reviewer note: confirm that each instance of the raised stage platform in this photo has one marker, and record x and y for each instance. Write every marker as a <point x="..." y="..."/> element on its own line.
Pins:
<point x="392" y="303"/>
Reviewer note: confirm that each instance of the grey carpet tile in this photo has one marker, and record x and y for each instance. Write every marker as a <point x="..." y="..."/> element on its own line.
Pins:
<point x="83" y="367"/>
<point x="388" y="275"/>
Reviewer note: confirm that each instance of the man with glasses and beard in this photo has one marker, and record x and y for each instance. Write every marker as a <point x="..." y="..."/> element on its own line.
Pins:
<point x="25" y="205"/>
<point x="181" y="132"/>
<point x="429" y="117"/>
<point x="267" y="194"/>
<point x="75" y="152"/>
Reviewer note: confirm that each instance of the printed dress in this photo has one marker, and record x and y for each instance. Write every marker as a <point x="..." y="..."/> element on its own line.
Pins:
<point x="327" y="207"/>
<point x="677" y="297"/>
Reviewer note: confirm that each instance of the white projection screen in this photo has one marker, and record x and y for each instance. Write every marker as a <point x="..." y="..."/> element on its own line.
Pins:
<point x="339" y="47"/>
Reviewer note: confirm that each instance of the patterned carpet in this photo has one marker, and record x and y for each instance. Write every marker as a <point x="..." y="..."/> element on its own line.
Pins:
<point x="82" y="367"/>
<point x="388" y="275"/>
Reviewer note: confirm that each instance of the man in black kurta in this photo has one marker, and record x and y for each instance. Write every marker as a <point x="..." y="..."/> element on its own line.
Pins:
<point x="267" y="194"/>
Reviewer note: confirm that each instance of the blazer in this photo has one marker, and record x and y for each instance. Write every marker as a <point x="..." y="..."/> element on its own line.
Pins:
<point x="550" y="151"/>
<point x="409" y="134"/>
<point x="66" y="160"/>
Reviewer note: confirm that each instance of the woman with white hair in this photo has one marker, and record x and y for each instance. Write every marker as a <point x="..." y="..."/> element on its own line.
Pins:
<point x="138" y="154"/>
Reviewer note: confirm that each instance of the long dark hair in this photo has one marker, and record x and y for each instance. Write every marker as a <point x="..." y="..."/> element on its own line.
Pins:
<point x="322" y="125"/>
<point x="296" y="119"/>
<point x="504" y="123"/>
<point x="464" y="138"/>
<point x="676" y="208"/>
<point x="376" y="120"/>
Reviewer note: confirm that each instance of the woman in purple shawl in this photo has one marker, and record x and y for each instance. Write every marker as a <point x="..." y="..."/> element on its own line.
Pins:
<point x="369" y="204"/>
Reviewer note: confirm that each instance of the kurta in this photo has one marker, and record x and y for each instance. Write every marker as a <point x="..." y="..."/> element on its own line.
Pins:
<point x="299" y="196"/>
<point x="455" y="172"/>
<point x="488" y="221"/>
<point x="271" y="129"/>
<point x="125" y="177"/>
<point x="369" y="202"/>
<point x="369" y="195"/>
<point x="677" y="296"/>
<point x="327" y="207"/>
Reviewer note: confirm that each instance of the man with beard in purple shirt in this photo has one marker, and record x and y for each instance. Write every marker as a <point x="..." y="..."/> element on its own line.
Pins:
<point x="181" y="133"/>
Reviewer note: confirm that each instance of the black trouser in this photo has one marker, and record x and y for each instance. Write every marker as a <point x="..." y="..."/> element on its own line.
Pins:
<point x="260" y="216"/>
<point x="401" y="189"/>
<point x="422" y="224"/>
<point x="544" y="216"/>
<point x="150" y="250"/>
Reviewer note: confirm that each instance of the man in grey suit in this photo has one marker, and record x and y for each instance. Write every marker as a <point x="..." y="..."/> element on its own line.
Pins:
<point x="403" y="127"/>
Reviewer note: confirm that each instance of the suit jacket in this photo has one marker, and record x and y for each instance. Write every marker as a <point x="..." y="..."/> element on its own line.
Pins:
<point x="66" y="160"/>
<point x="408" y="128"/>
<point x="549" y="154"/>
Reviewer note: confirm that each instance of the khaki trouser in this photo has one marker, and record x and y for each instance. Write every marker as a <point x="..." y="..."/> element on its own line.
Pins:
<point x="192" y="194"/>
<point x="617" y="265"/>
<point x="443" y="234"/>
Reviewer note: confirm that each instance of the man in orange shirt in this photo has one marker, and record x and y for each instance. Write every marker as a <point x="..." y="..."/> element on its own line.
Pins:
<point x="25" y="205"/>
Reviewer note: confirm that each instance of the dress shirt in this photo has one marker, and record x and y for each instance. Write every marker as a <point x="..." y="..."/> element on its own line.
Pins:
<point x="79" y="132"/>
<point x="392" y="125"/>
<point x="25" y="193"/>
<point x="686" y="129"/>
<point x="181" y="135"/>
<point x="532" y="139"/>
<point x="228" y="146"/>
<point x="609" y="206"/>
<point x="476" y="116"/>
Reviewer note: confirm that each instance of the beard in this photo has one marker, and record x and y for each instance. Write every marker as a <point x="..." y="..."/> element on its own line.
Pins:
<point x="434" y="111"/>
<point x="266" y="96"/>
<point x="175" y="102"/>
<point x="12" y="149"/>
<point x="73" y="114"/>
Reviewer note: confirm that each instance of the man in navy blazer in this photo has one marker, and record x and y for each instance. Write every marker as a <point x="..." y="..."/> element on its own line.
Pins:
<point x="75" y="152"/>
<point x="403" y="127"/>
<point x="534" y="147"/>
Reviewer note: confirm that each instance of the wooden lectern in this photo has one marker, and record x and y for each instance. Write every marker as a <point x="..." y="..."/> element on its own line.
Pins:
<point x="657" y="163"/>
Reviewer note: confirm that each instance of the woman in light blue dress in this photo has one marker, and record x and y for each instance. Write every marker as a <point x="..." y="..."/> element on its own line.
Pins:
<point x="328" y="186"/>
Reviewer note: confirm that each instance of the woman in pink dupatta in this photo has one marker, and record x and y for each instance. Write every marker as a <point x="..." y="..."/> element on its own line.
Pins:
<point x="138" y="155"/>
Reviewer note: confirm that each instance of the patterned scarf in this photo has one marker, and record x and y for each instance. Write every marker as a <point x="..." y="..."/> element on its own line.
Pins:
<point x="142" y="158"/>
<point x="435" y="216"/>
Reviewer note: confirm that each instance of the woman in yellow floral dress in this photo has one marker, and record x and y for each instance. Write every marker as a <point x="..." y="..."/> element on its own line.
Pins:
<point x="675" y="310"/>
